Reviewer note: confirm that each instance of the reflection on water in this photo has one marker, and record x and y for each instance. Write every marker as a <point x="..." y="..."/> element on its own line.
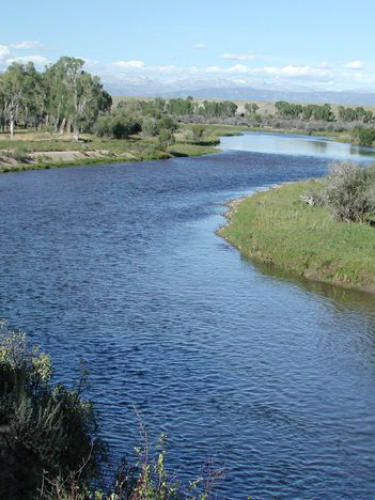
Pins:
<point x="296" y="145"/>
<point x="342" y="297"/>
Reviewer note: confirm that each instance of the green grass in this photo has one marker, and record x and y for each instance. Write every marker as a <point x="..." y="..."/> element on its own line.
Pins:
<point x="275" y="227"/>
<point x="16" y="154"/>
<point x="186" y="149"/>
<point x="212" y="131"/>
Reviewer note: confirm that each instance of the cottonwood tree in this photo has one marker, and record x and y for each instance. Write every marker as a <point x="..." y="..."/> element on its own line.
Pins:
<point x="75" y="97"/>
<point x="14" y="88"/>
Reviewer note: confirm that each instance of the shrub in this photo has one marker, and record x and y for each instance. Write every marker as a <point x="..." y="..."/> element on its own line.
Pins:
<point x="315" y="195"/>
<point x="349" y="192"/>
<point x="365" y="136"/>
<point x="150" y="127"/>
<point x="117" y="126"/>
<point x="21" y="154"/>
<point x="198" y="132"/>
<point x="45" y="431"/>
<point x="166" y="138"/>
<point x="102" y="126"/>
<point x="167" y="123"/>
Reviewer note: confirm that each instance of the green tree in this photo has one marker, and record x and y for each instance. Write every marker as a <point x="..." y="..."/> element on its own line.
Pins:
<point x="16" y="91"/>
<point x="165" y="139"/>
<point x="74" y="96"/>
<point x="198" y="132"/>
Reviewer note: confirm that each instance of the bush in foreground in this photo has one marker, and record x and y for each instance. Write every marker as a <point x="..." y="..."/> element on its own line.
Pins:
<point x="45" y="431"/>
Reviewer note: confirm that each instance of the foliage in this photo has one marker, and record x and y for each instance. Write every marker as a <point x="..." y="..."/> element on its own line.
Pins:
<point x="165" y="138"/>
<point x="321" y="112"/>
<point x="117" y="126"/>
<point x="365" y="136"/>
<point x="288" y="110"/>
<point x="218" y="109"/>
<point x="167" y="123"/>
<point x="151" y="480"/>
<point x="45" y="431"/>
<point x="150" y="127"/>
<point x="349" y="192"/>
<point x="63" y="96"/>
<point x="180" y="106"/>
<point x="198" y="132"/>
<point x="251" y="108"/>
<point x="355" y="114"/>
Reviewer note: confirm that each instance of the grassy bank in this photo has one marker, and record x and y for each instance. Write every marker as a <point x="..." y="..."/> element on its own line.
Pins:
<point x="275" y="227"/>
<point x="343" y="136"/>
<point x="32" y="150"/>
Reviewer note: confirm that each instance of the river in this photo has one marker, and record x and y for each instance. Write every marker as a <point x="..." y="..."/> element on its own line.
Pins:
<point x="119" y="266"/>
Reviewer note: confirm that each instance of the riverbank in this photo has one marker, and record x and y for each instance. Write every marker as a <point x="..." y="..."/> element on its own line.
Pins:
<point x="277" y="228"/>
<point x="37" y="150"/>
<point x="30" y="150"/>
<point x="343" y="136"/>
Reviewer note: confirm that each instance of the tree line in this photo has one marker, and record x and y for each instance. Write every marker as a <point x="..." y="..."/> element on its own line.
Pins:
<point x="66" y="98"/>
<point x="323" y="112"/>
<point x="62" y="98"/>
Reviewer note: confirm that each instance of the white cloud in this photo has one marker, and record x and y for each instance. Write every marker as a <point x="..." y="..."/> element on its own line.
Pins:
<point x="248" y="56"/>
<point x="288" y="76"/>
<point x="239" y="81"/>
<point x="214" y="69"/>
<point x="357" y="64"/>
<point x="200" y="46"/>
<point x="26" y="45"/>
<point x="89" y="62"/>
<point x="4" y="51"/>
<point x="36" y="59"/>
<point x="129" y="64"/>
<point x="276" y="71"/>
<point x="295" y="71"/>
<point x="239" y="68"/>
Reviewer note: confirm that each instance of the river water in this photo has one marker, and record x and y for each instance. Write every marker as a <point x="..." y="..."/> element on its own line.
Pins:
<point x="119" y="266"/>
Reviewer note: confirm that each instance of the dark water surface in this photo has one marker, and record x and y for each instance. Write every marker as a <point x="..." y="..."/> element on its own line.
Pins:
<point x="119" y="265"/>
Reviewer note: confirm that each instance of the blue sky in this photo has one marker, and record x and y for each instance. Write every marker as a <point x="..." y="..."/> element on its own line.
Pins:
<point x="326" y="45"/>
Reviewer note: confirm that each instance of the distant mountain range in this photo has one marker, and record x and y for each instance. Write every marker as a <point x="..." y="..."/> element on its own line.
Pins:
<point x="146" y="89"/>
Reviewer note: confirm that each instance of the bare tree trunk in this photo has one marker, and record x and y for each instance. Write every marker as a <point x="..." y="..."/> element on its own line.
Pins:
<point x="75" y="132"/>
<point x="11" y="126"/>
<point x="62" y="126"/>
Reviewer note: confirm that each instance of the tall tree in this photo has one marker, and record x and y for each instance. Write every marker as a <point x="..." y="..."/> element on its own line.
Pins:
<point x="15" y="90"/>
